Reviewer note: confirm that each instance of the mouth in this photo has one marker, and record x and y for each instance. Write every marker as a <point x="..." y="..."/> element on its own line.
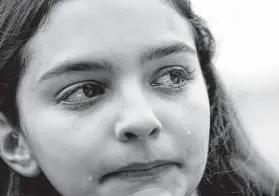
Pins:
<point x="140" y="170"/>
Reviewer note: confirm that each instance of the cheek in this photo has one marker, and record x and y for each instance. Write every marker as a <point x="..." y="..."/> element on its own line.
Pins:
<point x="190" y="125"/>
<point x="66" y="145"/>
<point x="193" y="147"/>
<point x="188" y="120"/>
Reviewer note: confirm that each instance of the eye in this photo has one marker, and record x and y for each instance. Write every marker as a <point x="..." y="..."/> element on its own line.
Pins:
<point x="81" y="93"/>
<point x="173" y="77"/>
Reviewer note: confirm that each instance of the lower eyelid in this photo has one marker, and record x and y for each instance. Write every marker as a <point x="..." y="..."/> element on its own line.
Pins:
<point x="80" y="105"/>
<point x="75" y="106"/>
<point x="171" y="91"/>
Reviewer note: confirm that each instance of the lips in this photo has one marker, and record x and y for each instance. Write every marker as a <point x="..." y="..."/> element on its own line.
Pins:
<point x="142" y="166"/>
<point x="139" y="170"/>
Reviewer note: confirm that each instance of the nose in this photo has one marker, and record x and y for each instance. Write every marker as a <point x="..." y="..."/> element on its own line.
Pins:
<point x="138" y="123"/>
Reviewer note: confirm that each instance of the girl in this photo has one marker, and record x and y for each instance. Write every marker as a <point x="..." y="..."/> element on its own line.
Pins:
<point x="117" y="98"/>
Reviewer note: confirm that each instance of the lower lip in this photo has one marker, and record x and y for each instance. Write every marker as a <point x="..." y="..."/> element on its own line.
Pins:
<point x="154" y="171"/>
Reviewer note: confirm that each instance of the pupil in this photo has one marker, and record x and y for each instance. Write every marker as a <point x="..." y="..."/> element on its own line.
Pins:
<point x="91" y="90"/>
<point x="176" y="77"/>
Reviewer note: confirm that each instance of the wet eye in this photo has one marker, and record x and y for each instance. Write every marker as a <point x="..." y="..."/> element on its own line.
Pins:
<point x="174" y="77"/>
<point x="81" y="93"/>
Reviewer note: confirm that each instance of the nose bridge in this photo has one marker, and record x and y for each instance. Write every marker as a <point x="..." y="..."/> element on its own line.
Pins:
<point x="138" y="120"/>
<point x="135" y="100"/>
<point x="132" y="93"/>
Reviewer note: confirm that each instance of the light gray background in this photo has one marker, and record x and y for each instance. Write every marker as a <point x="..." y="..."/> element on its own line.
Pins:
<point x="247" y="32"/>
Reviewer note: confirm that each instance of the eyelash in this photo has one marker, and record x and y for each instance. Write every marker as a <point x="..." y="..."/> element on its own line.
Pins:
<point x="68" y="91"/>
<point x="185" y="73"/>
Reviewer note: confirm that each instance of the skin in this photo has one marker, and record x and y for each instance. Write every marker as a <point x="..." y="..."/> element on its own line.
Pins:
<point x="76" y="143"/>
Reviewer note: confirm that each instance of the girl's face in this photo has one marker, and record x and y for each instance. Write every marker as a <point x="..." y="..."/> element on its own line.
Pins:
<point x="111" y="89"/>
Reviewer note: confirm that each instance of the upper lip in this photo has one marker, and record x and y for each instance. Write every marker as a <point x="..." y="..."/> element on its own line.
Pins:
<point x="139" y="166"/>
<point x="142" y="166"/>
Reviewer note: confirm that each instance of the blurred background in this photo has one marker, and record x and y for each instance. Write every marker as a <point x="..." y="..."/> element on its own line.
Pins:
<point x="247" y="32"/>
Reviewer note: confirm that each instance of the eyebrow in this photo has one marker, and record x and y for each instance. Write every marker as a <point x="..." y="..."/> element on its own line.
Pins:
<point x="152" y="54"/>
<point x="167" y="50"/>
<point x="68" y="67"/>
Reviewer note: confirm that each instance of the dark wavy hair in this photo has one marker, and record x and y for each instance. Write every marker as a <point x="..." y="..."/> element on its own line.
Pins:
<point x="233" y="166"/>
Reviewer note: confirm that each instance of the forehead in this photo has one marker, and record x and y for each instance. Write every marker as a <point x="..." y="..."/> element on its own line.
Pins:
<point x="83" y="28"/>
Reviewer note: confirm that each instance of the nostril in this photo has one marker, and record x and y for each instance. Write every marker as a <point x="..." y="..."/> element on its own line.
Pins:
<point x="155" y="132"/>
<point x="130" y="135"/>
<point x="133" y="136"/>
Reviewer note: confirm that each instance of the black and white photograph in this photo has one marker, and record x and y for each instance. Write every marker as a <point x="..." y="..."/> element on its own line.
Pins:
<point x="139" y="98"/>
